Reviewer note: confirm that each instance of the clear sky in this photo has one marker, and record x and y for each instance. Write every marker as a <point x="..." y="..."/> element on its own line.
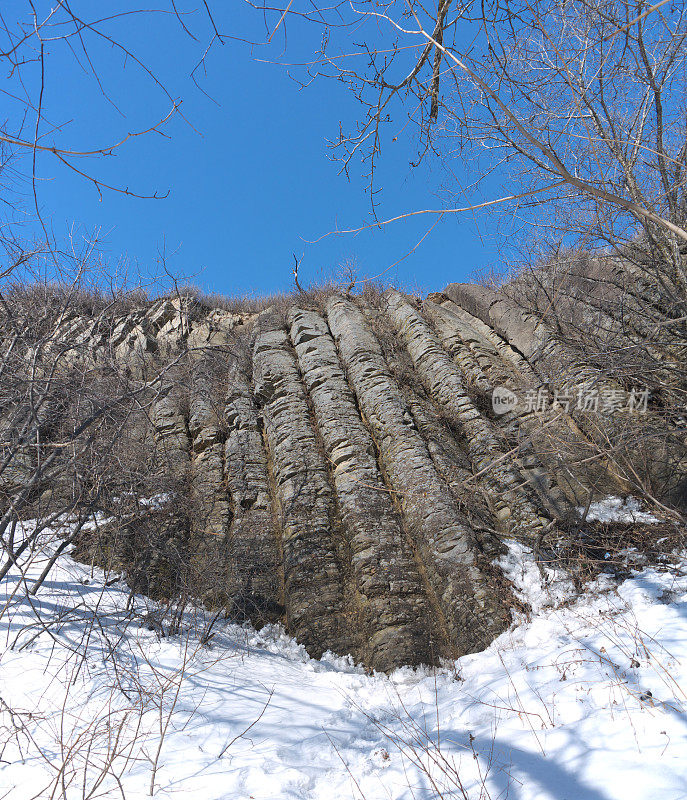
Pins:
<point x="252" y="183"/>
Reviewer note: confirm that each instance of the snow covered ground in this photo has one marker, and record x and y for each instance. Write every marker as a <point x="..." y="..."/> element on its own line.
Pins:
<point x="584" y="701"/>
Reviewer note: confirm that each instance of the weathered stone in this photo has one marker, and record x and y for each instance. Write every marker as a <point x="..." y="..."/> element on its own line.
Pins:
<point x="170" y="424"/>
<point x="211" y="506"/>
<point x="525" y="331"/>
<point x="253" y="548"/>
<point x="576" y="438"/>
<point x="506" y="490"/>
<point x="313" y="576"/>
<point x="394" y="614"/>
<point x="485" y="357"/>
<point x="468" y="598"/>
<point x="171" y="322"/>
<point x="160" y="314"/>
<point x="556" y="365"/>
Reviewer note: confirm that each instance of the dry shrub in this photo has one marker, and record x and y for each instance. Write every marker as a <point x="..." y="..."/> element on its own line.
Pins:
<point x="585" y="550"/>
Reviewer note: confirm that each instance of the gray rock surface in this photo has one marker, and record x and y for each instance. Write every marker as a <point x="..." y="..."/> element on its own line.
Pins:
<point x="394" y="615"/>
<point x="313" y="569"/>
<point x="507" y="491"/>
<point x="334" y="463"/>
<point x="253" y="547"/>
<point x="468" y="600"/>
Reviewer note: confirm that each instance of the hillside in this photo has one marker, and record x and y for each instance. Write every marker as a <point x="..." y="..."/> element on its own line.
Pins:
<point x="339" y="464"/>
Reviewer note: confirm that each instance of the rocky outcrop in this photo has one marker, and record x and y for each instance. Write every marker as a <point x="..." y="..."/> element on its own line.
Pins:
<point x="466" y="596"/>
<point x="394" y="615"/>
<point x="312" y="566"/>
<point x="335" y="463"/>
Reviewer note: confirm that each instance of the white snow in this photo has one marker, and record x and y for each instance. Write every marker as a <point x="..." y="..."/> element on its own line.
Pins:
<point x="584" y="701"/>
<point x="617" y="509"/>
<point x="537" y="589"/>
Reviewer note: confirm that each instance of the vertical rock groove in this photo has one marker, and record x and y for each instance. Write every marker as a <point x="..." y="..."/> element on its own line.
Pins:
<point x="313" y="580"/>
<point x="170" y="424"/>
<point x="253" y="551"/>
<point x="211" y="512"/>
<point x="468" y="596"/>
<point x="394" y="611"/>
<point x="505" y="487"/>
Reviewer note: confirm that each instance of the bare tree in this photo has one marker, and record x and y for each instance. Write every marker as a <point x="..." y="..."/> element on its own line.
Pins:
<point x="45" y="47"/>
<point x="576" y="108"/>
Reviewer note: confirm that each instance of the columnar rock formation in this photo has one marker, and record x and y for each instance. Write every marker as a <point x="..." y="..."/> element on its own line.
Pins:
<point x="334" y="463"/>
<point x="394" y="618"/>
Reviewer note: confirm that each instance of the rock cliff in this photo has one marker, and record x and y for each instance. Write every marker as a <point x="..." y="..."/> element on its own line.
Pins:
<point x="337" y="464"/>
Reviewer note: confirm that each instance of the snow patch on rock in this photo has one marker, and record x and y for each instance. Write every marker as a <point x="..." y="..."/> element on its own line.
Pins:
<point x="617" y="509"/>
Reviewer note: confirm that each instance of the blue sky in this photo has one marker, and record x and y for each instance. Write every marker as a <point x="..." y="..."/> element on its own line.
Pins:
<point x="252" y="184"/>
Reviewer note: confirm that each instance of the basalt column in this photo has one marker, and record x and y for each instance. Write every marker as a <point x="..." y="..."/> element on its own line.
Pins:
<point x="252" y="546"/>
<point x="467" y="592"/>
<point x="206" y="426"/>
<point x="506" y="490"/>
<point x="313" y="575"/>
<point x="393" y="610"/>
